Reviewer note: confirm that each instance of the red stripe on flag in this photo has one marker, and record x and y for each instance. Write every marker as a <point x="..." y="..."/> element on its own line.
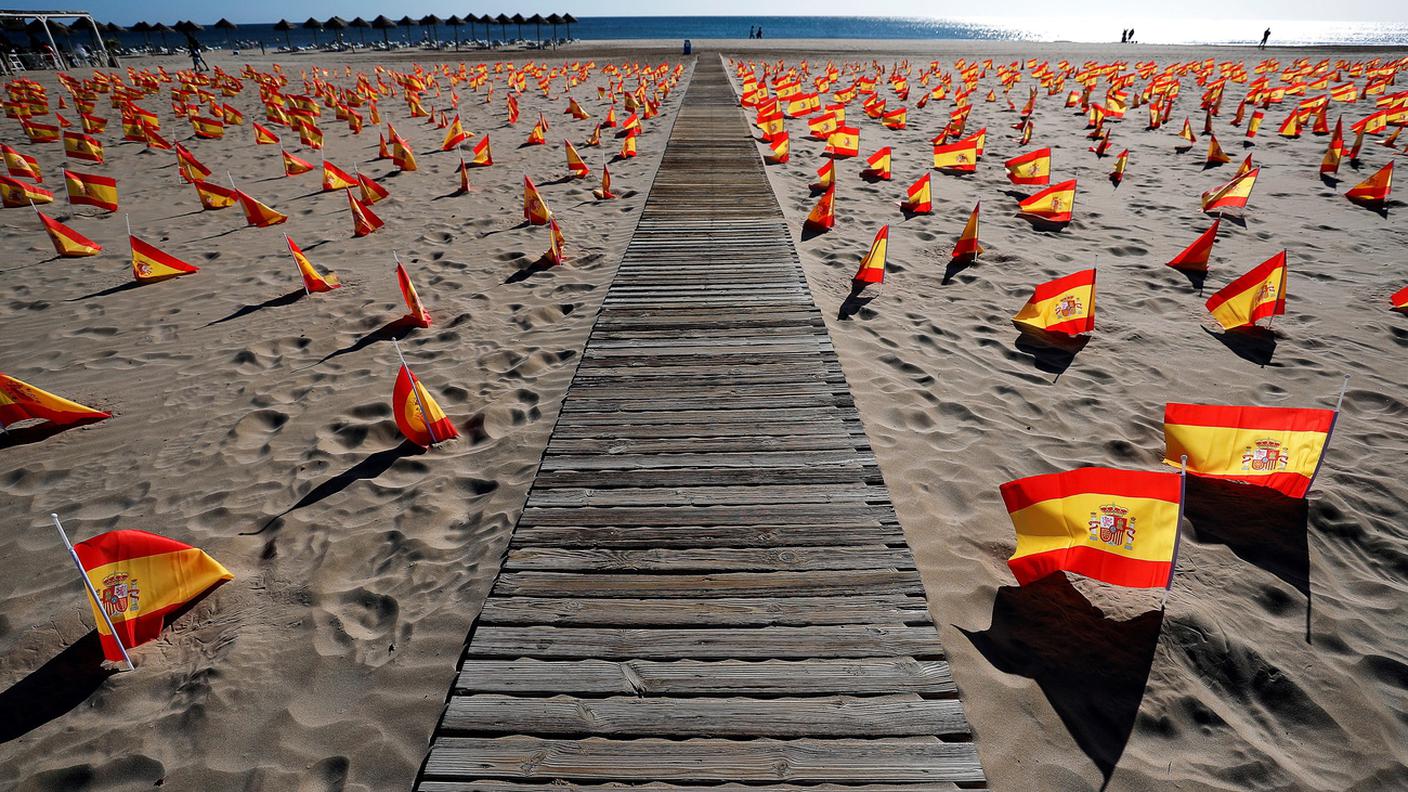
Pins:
<point x="1092" y="563"/>
<point x="1290" y="419"/>
<point x="1024" y="492"/>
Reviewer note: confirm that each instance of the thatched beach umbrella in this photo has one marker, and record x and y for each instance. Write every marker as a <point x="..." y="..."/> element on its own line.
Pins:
<point x="569" y="20"/>
<point x="383" y="24"/>
<point x="361" y="25"/>
<point x="225" y="25"/>
<point x="554" y="20"/>
<point x="163" y="28"/>
<point x="537" y="22"/>
<point x="285" y="26"/>
<point x="314" y="25"/>
<point x="338" y="24"/>
<point x="502" y="21"/>
<point x="407" y="23"/>
<point x="456" y="23"/>
<point x="430" y="21"/>
<point x="518" y="20"/>
<point x="145" y="29"/>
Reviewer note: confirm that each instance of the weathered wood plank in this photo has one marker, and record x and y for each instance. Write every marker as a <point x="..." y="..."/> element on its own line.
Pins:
<point x="756" y="459"/>
<point x="813" y="760"/>
<point x="718" y="612"/>
<point x="779" y="514"/>
<point x="835" y="641"/>
<point x="849" y="491"/>
<point x="684" y="477"/>
<point x="707" y="536"/>
<point x="791" y="559"/>
<point x="495" y="785"/>
<point x="722" y="584"/>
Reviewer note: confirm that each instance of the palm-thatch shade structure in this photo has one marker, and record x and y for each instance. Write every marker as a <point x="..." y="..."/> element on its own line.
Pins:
<point x="227" y="26"/>
<point x="430" y="21"/>
<point x="361" y="25"/>
<point x="163" y="28"/>
<point x="145" y="29"/>
<point x="502" y="21"/>
<point x="314" y="25"/>
<point x="384" y="25"/>
<point x="285" y="26"/>
<point x="569" y="21"/>
<point x="338" y="24"/>
<point x="554" y="20"/>
<point x="518" y="21"/>
<point x="407" y="23"/>
<point x="456" y="23"/>
<point x="537" y="22"/>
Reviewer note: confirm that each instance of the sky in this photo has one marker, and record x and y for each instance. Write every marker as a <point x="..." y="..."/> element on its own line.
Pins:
<point x="240" y="11"/>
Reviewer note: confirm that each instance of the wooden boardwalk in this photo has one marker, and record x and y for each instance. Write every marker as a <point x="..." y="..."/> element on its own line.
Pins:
<point x="708" y="587"/>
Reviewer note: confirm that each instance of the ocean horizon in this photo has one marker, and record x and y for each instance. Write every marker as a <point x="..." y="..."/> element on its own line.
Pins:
<point x="1037" y="29"/>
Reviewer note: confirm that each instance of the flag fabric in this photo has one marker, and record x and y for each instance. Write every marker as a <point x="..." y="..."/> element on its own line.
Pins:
<point x="82" y="147"/>
<point x="960" y="157"/>
<point x="919" y="197"/>
<point x="1246" y="167"/>
<point x="15" y="193"/>
<point x="1054" y="204"/>
<point x="20" y="401"/>
<point x="1065" y="305"/>
<point x="21" y="165"/>
<point x="823" y="215"/>
<point x="1375" y="189"/>
<point x="1254" y="123"/>
<point x="1399" y="300"/>
<point x="1121" y="162"/>
<point x="208" y="128"/>
<point x="843" y="143"/>
<point x="68" y="243"/>
<point x="872" y="267"/>
<point x="415" y="309"/>
<point x="1256" y="295"/>
<point x="263" y="136"/>
<point x="1034" y="167"/>
<point x="628" y="148"/>
<point x="372" y="192"/>
<point x="91" y="190"/>
<point x="141" y="580"/>
<point x="1195" y="257"/>
<point x="335" y="178"/>
<point x="825" y="175"/>
<point x="604" y="194"/>
<point x="294" y="165"/>
<point x="483" y="157"/>
<point x="454" y="135"/>
<point x="575" y="165"/>
<point x="256" y="213"/>
<point x="402" y="156"/>
<point x="877" y="165"/>
<point x="1216" y="156"/>
<point x="781" y="145"/>
<point x="151" y="264"/>
<point x="364" y="220"/>
<point x="313" y="281"/>
<point x="1233" y="194"/>
<point x="411" y="403"/>
<point x="535" y="211"/>
<point x="1275" y="447"/>
<point x="555" y="254"/>
<point x="1116" y="526"/>
<point x="215" y="196"/>
<point x="968" y="246"/>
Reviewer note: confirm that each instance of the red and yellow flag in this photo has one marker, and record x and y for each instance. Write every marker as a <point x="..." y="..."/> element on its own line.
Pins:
<point x="143" y="579"/>
<point x="919" y="197"/>
<point x="576" y="166"/>
<point x="628" y="148"/>
<point x="189" y="167"/>
<point x="1399" y="300"/>
<point x="1252" y="297"/>
<point x="1375" y="189"/>
<point x="1117" y="526"/>
<point x="968" y="246"/>
<point x="372" y="192"/>
<point x="843" y="143"/>
<point x="68" y="243"/>
<point x="877" y="165"/>
<point x="1065" y="305"/>
<point x="82" y="147"/>
<point x="87" y="189"/>
<point x="454" y="135"/>
<point x="313" y="281"/>
<point x="1233" y="194"/>
<point x="483" y="157"/>
<point x="401" y="155"/>
<point x="151" y="264"/>
<point x="256" y="213"/>
<point x="364" y="220"/>
<point x="15" y="193"/>
<point x="823" y="215"/>
<point x="872" y="267"/>
<point x="1216" y="156"/>
<point x="604" y="194"/>
<point x="21" y="165"/>
<point x="208" y="128"/>
<point x="781" y="145"/>
<point x="960" y="157"/>
<point x="20" y="401"/>
<point x="825" y="175"/>
<point x="1053" y="205"/>
<point x="335" y="178"/>
<point x="415" y="310"/>
<point x="1195" y="256"/>
<point x="555" y="254"/>
<point x="1031" y="168"/>
<point x="215" y="196"/>
<point x="263" y="136"/>
<point x="1121" y="163"/>
<point x="1276" y="447"/>
<point x="535" y="211"/>
<point x="412" y="404"/>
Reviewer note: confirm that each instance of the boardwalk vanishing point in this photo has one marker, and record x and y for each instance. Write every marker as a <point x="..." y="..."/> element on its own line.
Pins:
<point x="708" y="587"/>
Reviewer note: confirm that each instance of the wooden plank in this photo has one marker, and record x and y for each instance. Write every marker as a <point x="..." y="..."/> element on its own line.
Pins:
<point x="859" y="677"/>
<point x="609" y="446"/>
<point x="762" y="643"/>
<point x="748" y="559"/>
<point x="722" y="584"/>
<point x="755" y="459"/>
<point x="684" y="477"/>
<point x="896" y="715"/>
<point x="496" y="785"/>
<point x="849" y="491"/>
<point x="781" y="514"/>
<point x="811" y="760"/>
<point x="707" y="536"/>
<point x="693" y="612"/>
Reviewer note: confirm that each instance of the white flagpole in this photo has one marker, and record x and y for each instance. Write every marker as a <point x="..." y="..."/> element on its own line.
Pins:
<point x="424" y="413"/>
<point x="1178" y="530"/>
<point x="88" y="584"/>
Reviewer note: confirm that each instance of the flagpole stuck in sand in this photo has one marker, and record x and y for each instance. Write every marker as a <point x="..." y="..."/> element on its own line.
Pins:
<point x="415" y="388"/>
<point x="1178" y="531"/>
<point x="92" y="592"/>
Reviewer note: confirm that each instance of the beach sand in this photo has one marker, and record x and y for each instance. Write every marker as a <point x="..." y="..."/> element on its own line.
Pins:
<point x="1280" y="664"/>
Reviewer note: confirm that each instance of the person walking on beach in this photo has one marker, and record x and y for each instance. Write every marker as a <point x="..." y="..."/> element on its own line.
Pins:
<point x="1131" y="35"/>
<point x="197" y="62"/>
<point x="1124" y="36"/>
<point x="1264" y="37"/>
<point x="760" y="31"/>
<point x="750" y="31"/>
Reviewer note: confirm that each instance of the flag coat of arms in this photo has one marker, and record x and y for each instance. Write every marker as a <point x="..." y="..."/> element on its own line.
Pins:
<point x="1256" y="295"/>
<point x="1065" y="305"/>
<point x="1053" y="205"/>
<point x="1117" y="526"/>
<point x="152" y="264"/>
<point x="1276" y="447"/>
<point x="1031" y="168"/>
<point x="68" y="243"/>
<point x="960" y="157"/>
<point x="141" y="579"/>
<point x="418" y="416"/>
<point x="1233" y="194"/>
<point x="91" y="190"/>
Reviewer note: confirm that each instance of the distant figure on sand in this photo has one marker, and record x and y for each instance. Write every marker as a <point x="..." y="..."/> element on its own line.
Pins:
<point x="751" y="30"/>
<point x="1264" y="37"/>
<point x="1124" y="36"/>
<point x="1131" y="35"/>
<point x="760" y="31"/>
<point x="197" y="62"/>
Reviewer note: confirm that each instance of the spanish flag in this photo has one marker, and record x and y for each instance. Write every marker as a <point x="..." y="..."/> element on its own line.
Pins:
<point x="40" y="133"/>
<point x="82" y="147"/>
<point x="821" y="127"/>
<point x="256" y="213"/>
<point x="208" y="128"/>
<point x="262" y="135"/>
<point x="1117" y="526"/>
<point x="1195" y="257"/>
<point x="1375" y="189"/>
<point x="15" y="193"/>
<point x="535" y="211"/>
<point x="151" y="264"/>
<point x="21" y="165"/>
<point x="142" y="580"/>
<point x="401" y="155"/>
<point x="878" y="165"/>
<point x="214" y="196"/>
<point x="918" y="198"/>
<point x="1054" y="204"/>
<point x="364" y="220"/>
<point x="1216" y="156"/>
<point x="1065" y="305"/>
<point x="189" y="167"/>
<point x="960" y="157"/>
<point x="968" y="246"/>
<point x="537" y="136"/>
<point x="1254" y="123"/>
<point x="67" y="242"/>
<point x="294" y="165"/>
<point x="894" y="119"/>
<point x="1276" y="447"/>
<point x="1233" y="194"/>
<point x="575" y="165"/>
<point x="310" y="135"/>
<point x="415" y="310"/>
<point x="555" y="254"/>
<point x="313" y="281"/>
<point x="781" y="146"/>
<point x="575" y="110"/>
<point x="1187" y="132"/>
<point x="604" y="193"/>
<point x="1031" y="168"/>
<point x="1121" y="162"/>
<point x="823" y="215"/>
<point x="628" y="148"/>
<point x="483" y="157"/>
<point x="843" y="143"/>
<point x="1399" y="300"/>
<point x="1254" y="296"/>
<point x="20" y="401"/>
<point x="872" y="267"/>
<point x="455" y="135"/>
<point x="594" y="139"/>
<point x="412" y="404"/>
<point x="335" y="178"/>
<point x="825" y="176"/>
<point x="372" y="192"/>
